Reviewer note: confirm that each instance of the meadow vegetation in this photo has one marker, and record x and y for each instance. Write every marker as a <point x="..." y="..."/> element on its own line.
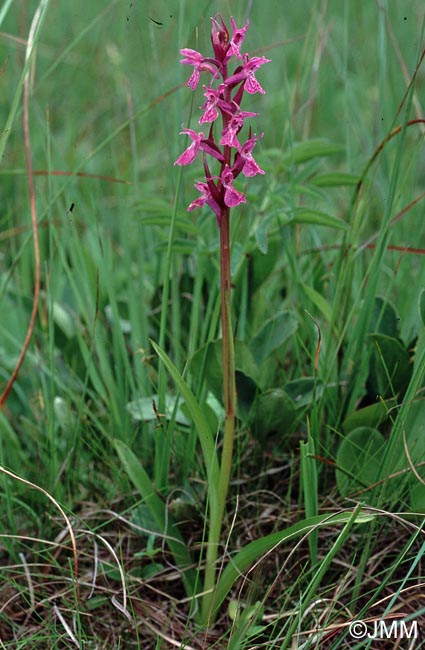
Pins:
<point x="111" y="432"/>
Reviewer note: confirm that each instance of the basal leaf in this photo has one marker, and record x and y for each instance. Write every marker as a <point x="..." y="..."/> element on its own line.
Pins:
<point x="304" y="391"/>
<point x="242" y="560"/>
<point x="359" y="460"/>
<point x="163" y="519"/>
<point x="206" y="436"/>
<point x="275" y="331"/>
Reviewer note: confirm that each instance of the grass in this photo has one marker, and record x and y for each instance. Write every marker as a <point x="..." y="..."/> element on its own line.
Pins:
<point x="325" y="512"/>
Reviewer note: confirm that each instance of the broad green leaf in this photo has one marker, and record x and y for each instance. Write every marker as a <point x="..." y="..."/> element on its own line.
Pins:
<point x="318" y="300"/>
<point x="242" y="560"/>
<point x="261" y="231"/>
<point x="301" y="152"/>
<point x="369" y="416"/>
<point x="384" y="318"/>
<point x="142" y="410"/>
<point x="273" y="413"/>
<point x="207" y="363"/>
<point x="390" y="368"/>
<point x="206" y="436"/>
<point x="163" y="519"/>
<point x="417" y="495"/>
<point x="275" y="331"/>
<point x="359" y="460"/>
<point x="164" y="221"/>
<point x="180" y="246"/>
<point x="315" y="218"/>
<point x="304" y="391"/>
<point x="334" y="179"/>
<point x="261" y="265"/>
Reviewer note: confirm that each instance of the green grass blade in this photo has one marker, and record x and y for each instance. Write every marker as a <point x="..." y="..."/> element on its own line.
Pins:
<point x="254" y="550"/>
<point x="140" y="479"/>
<point x="206" y="437"/>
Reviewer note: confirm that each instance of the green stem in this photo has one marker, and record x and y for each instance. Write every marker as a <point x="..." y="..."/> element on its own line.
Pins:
<point x="229" y="389"/>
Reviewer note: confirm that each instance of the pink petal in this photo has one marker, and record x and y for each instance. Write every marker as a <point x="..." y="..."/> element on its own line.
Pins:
<point x="232" y="197"/>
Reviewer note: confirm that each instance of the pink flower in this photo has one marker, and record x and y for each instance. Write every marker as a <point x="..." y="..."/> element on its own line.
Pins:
<point x="237" y="39"/>
<point x="234" y="126"/>
<point x="214" y="103"/>
<point x="200" y="64"/>
<point x="231" y="196"/>
<point x="250" y="167"/>
<point x="191" y="152"/>
<point x="206" y="197"/>
<point x="246" y="72"/>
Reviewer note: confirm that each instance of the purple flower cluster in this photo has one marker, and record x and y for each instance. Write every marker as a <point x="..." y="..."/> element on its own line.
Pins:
<point x="223" y="100"/>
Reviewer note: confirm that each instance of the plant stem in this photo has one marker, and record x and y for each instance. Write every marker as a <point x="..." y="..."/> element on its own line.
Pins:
<point x="228" y="356"/>
<point x="229" y="389"/>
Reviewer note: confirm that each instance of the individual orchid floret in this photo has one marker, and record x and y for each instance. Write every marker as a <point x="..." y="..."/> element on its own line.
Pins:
<point x="231" y="195"/>
<point x="199" y="141"/>
<point x="246" y="159"/>
<point x="191" y="152"/>
<point x="200" y="64"/>
<point x="247" y="73"/>
<point x="215" y="102"/>
<point x="233" y="127"/>
<point x="205" y="198"/>
<point x="237" y="40"/>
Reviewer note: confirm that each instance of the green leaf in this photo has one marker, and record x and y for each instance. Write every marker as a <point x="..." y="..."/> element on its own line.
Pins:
<point x="205" y="435"/>
<point x="180" y="246"/>
<point x="163" y="519"/>
<point x="273" y="412"/>
<point x="390" y="368"/>
<point x="64" y="320"/>
<point x="261" y="265"/>
<point x="184" y="225"/>
<point x="318" y="300"/>
<point x="384" y="318"/>
<point x="254" y="550"/>
<point x="207" y="363"/>
<point x="359" y="460"/>
<point x="275" y="331"/>
<point x="369" y="416"/>
<point x="314" y="217"/>
<point x="301" y="152"/>
<point x="142" y="410"/>
<point x="304" y="391"/>
<point x="422" y="306"/>
<point x="334" y="179"/>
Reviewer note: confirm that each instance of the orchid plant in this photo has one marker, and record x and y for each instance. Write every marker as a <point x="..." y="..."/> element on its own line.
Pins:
<point x="223" y="97"/>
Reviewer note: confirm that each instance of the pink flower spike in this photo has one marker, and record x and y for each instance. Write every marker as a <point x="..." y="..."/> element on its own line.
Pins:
<point x="250" y="167"/>
<point x="237" y="39"/>
<point x="191" y="152"/>
<point x="231" y="196"/>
